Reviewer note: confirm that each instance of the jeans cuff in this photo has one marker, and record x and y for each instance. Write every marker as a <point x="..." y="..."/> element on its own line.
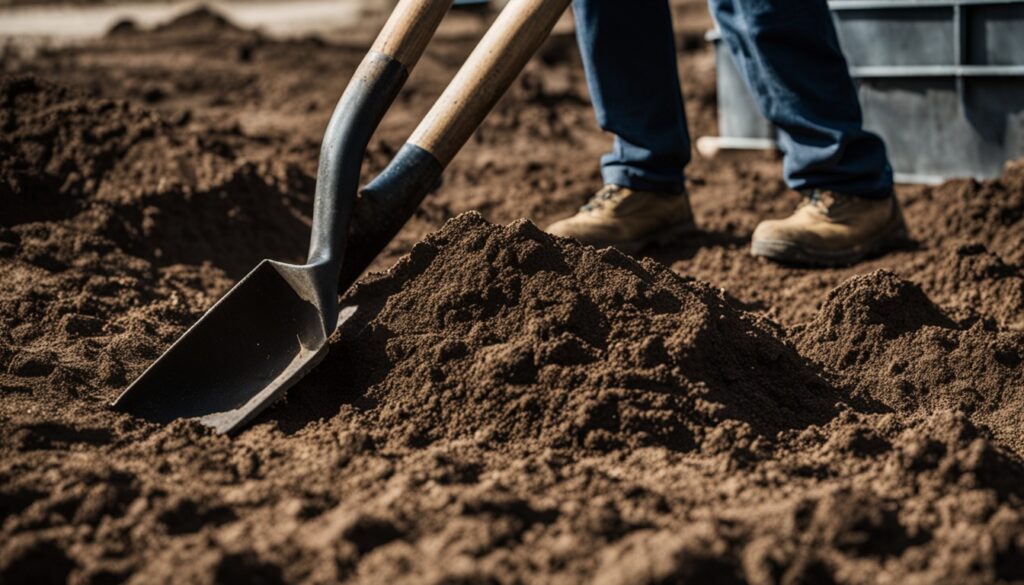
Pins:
<point x="640" y="180"/>
<point x="877" y="194"/>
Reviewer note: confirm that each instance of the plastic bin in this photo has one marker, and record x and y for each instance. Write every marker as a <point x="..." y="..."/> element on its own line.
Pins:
<point x="942" y="81"/>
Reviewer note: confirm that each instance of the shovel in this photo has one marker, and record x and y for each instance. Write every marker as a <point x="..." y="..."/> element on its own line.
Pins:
<point x="272" y="327"/>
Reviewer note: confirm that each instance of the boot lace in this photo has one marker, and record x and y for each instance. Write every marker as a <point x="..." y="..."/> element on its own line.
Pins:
<point x="602" y="198"/>
<point x="827" y="202"/>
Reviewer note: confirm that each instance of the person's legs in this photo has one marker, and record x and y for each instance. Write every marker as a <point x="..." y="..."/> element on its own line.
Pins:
<point x="789" y="54"/>
<point x="629" y="56"/>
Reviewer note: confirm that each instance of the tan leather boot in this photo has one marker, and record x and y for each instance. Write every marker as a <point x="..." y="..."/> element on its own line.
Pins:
<point x="628" y="220"/>
<point x="831" y="229"/>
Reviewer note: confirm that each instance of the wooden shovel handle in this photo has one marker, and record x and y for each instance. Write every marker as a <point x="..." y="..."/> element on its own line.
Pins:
<point x="514" y="37"/>
<point x="409" y="29"/>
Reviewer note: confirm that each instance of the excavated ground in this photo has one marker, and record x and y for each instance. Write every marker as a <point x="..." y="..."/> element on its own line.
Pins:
<point x="506" y="407"/>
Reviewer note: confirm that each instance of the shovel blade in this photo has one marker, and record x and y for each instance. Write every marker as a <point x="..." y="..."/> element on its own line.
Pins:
<point x="245" y="352"/>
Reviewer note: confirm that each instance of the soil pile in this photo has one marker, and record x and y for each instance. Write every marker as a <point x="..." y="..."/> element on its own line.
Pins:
<point x="202" y="22"/>
<point x="988" y="212"/>
<point x="978" y="284"/>
<point x="160" y="190"/>
<point x="57" y="148"/>
<point x="512" y="334"/>
<point x="892" y="344"/>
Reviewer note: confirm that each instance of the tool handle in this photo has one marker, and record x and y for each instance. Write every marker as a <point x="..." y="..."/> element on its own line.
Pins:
<point x="393" y="196"/>
<point x="409" y="29"/>
<point x="512" y="40"/>
<point x="368" y="96"/>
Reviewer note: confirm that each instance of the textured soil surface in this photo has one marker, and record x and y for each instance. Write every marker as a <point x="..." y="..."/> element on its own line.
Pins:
<point x="505" y="407"/>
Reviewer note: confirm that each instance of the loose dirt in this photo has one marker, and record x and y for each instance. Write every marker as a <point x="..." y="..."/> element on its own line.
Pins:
<point x="504" y="406"/>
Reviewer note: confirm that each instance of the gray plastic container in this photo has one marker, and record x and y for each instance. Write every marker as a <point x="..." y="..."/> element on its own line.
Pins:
<point x="942" y="81"/>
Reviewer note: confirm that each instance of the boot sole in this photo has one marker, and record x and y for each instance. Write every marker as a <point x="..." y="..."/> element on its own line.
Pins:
<point x="659" y="238"/>
<point x="892" y="236"/>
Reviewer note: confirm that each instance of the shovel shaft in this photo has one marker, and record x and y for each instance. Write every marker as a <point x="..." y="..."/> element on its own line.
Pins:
<point x="388" y="201"/>
<point x="371" y="91"/>
<point x="514" y="37"/>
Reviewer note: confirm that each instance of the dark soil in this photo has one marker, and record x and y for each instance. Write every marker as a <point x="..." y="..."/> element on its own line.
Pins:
<point x="505" y="406"/>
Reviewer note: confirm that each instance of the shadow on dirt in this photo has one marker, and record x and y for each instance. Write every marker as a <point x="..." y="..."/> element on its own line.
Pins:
<point x="233" y="225"/>
<point x="687" y="247"/>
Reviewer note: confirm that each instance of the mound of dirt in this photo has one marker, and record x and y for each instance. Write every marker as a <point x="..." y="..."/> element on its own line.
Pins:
<point x="157" y="189"/>
<point x="200" y="20"/>
<point x="978" y="284"/>
<point x="125" y="26"/>
<point x="893" y="345"/>
<point x="56" y="146"/>
<point x="512" y="334"/>
<point x="987" y="212"/>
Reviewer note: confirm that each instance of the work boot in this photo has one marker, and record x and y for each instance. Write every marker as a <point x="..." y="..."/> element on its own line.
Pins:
<point x="627" y="219"/>
<point x="831" y="229"/>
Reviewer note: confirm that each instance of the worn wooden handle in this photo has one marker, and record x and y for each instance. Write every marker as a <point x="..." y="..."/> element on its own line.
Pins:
<point x="409" y="28"/>
<point x="514" y="37"/>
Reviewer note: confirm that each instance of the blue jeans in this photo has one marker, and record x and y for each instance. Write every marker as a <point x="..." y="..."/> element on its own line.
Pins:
<point x="789" y="55"/>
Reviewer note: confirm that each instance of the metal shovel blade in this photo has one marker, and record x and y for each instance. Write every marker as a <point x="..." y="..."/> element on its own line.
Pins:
<point x="246" y="351"/>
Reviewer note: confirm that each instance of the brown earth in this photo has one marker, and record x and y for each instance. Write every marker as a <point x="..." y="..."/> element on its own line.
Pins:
<point x="506" y="406"/>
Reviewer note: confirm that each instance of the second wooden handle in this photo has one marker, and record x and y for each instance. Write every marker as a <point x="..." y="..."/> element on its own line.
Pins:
<point x="514" y="37"/>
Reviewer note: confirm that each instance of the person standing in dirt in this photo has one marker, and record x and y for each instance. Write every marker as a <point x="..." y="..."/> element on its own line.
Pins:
<point x="789" y="55"/>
